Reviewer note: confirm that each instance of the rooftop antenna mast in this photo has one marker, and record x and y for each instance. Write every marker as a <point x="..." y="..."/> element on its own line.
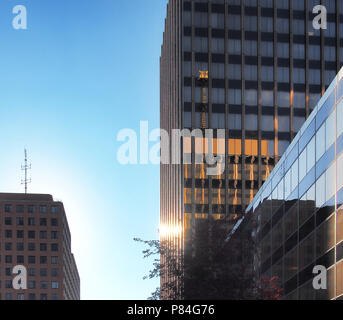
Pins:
<point x="25" y="168"/>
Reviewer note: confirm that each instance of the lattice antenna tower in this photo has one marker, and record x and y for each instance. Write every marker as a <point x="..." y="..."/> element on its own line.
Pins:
<point x="26" y="167"/>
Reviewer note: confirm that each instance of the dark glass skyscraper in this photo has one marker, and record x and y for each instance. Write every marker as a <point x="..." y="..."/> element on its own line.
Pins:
<point x="267" y="68"/>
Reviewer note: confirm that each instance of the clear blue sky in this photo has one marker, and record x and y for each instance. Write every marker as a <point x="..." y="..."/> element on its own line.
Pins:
<point x="82" y="71"/>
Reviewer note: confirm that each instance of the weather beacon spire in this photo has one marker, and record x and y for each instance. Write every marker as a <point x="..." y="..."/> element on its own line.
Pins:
<point x="25" y="168"/>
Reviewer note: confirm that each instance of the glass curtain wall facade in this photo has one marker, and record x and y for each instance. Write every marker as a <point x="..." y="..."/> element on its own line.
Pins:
<point x="299" y="210"/>
<point x="267" y="69"/>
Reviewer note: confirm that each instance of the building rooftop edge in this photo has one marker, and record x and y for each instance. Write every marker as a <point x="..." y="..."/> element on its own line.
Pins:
<point x="25" y="197"/>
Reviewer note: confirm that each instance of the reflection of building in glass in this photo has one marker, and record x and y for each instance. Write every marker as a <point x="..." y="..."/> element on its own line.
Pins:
<point x="298" y="213"/>
<point x="266" y="70"/>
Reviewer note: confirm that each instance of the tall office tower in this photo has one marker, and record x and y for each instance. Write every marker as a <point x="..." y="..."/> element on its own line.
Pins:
<point x="34" y="234"/>
<point x="266" y="67"/>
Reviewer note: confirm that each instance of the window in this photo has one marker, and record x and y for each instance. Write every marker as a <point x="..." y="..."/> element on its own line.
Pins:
<point x="54" y="209"/>
<point x="339" y="117"/>
<point x="20" y="221"/>
<point x="267" y="49"/>
<point x="282" y="25"/>
<point x="44" y="296"/>
<point x="267" y="24"/>
<point x="283" y="145"/>
<point x="315" y="76"/>
<point x="320" y="142"/>
<point x="44" y="285"/>
<point x="31" y="234"/>
<point x="218" y="96"/>
<point x="297" y="123"/>
<point x="299" y="100"/>
<point x="42" y="222"/>
<point x="43" y="247"/>
<point x="283" y="123"/>
<point x="19" y="208"/>
<point x="283" y="99"/>
<point x="8" y="221"/>
<point x="31" y="246"/>
<point x="267" y="73"/>
<point x="235" y="122"/>
<point x="54" y="235"/>
<point x="32" y="296"/>
<point x="217" y="20"/>
<point x="218" y="71"/>
<point x="43" y="260"/>
<point x="314" y="52"/>
<point x="250" y="48"/>
<point x="251" y="72"/>
<point x="267" y="123"/>
<point x="298" y="51"/>
<point x="43" y="209"/>
<point x="310" y="150"/>
<point x="320" y="191"/>
<point x="330" y="186"/>
<point x="54" y="272"/>
<point x="20" y="234"/>
<point x="251" y="97"/>
<point x="298" y="75"/>
<point x="20" y="246"/>
<point x="54" y="260"/>
<point x="267" y="98"/>
<point x="32" y="259"/>
<point x="251" y="122"/>
<point x="31" y="209"/>
<point x="235" y="71"/>
<point x="283" y="74"/>
<point x="31" y="221"/>
<point x="298" y="26"/>
<point x="20" y="259"/>
<point x="32" y="272"/>
<point x="8" y="208"/>
<point x="330" y="130"/>
<point x="32" y="285"/>
<point x="235" y="96"/>
<point x="283" y="50"/>
<point x="235" y="47"/>
<point x="54" y="285"/>
<point x="54" y="247"/>
<point x="43" y="272"/>
<point x="200" y="44"/>
<point x="218" y="45"/>
<point x="234" y="22"/>
<point x="218" y="120"/>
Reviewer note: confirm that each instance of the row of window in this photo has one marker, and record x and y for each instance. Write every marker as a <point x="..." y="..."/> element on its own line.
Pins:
<point x="251" y="97"/>
<point x="201" y="44"/>
<point x="9" y="208"/>
<point x="31" y="296"/>
<point x="268" y="123"/>
<point x="20" y="221"/>
<point x="234" y="22"/>
<point x="202" y="5"/>
<point x="32" y="284"/>
<point x="43" y="272"/>
<point x="20" y="246"/>
<point x="31" y="234"/>
<point x="30" y="259"/>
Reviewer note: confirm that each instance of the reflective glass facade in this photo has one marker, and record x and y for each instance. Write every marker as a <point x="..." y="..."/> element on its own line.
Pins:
<point x="298" y="213"/>
<point x="267" y="69"/>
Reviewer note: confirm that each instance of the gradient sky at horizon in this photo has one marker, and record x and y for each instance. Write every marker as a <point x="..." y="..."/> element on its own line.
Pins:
<point x="83" y="70"/>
